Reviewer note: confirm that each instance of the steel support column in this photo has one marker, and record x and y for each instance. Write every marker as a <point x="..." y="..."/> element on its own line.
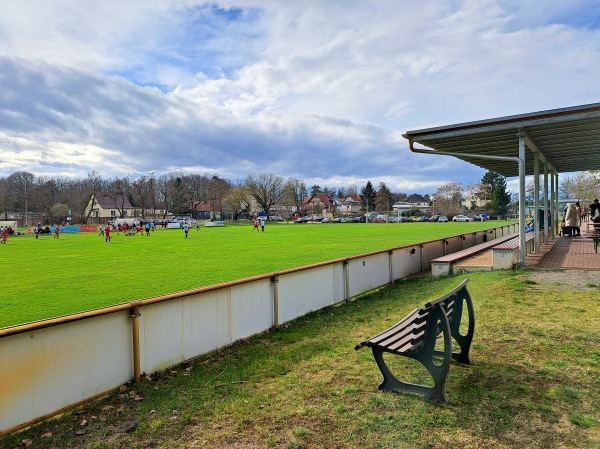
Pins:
<point x="521" y="199"/>
<point x="536" y="201"/>
<point x="555" y="201"/>
<point x="545" y="205"/>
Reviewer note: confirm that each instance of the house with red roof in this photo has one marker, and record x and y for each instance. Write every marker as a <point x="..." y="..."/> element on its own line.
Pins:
<point x="202" y="210"/>
<point x="319" y="204"/>
<point x="350" y="204"/>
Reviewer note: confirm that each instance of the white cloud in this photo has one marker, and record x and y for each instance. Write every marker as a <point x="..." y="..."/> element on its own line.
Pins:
<point x="319" y="90"/>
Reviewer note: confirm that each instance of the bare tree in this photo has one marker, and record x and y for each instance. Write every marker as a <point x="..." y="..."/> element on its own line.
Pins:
<point x="237" y="201"/>
<point x="80" y="192"/>
<point x="165" y="191"/>
<point x="448" y="198"/>
<point x="5" y="197"/>
<point x="143" y="193"/>
<point x="152" y="186"/>
<point x="46" y="195"/>
<point x="218" y="189"/>
<point x="118" y="191"/>
<point x="295" y="193"/>
<point x="200" y="188"/>
<point x="267" y="189"/>
<point x="21" y="184"/>
<point x="582" y="186"/>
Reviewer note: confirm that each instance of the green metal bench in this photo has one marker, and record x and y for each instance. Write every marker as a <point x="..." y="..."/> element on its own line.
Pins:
<point x="596" y="238"/>
<point x="415" y="337"/>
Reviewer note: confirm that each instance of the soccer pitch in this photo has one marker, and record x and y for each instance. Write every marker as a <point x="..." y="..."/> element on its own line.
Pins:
<point x="50" y="277"/>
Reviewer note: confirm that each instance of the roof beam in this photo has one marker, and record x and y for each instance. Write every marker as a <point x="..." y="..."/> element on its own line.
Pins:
<point x="530" y="143"/>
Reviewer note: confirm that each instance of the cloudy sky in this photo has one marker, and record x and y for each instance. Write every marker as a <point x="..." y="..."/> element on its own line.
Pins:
<point x="320" y="90"/>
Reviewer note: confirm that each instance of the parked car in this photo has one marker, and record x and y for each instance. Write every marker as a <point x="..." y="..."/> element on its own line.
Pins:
<point x="301" y="220"/>
<point x="326" y="220"/>
<point x="434" y="218"/>
<point x="275" y="218"/>
<point x="354" y="220"/>
<point x="423" y="218"/>
<point x="442" y="219"/>
<point x="474" y="218"/>
<point x="461" y="218"/>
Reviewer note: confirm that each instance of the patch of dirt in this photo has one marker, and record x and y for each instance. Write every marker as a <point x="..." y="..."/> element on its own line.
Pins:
<point x="576" y="280"/>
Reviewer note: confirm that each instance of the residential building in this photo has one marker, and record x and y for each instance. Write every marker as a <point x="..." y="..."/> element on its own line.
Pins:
<point x="350" y="205"/>
<point x="473" y="202"/>
<point x="103" y="207"/>
<point x="413" y="202"/>
<point x="319" y="204"/>
<point x="202" y="211"/>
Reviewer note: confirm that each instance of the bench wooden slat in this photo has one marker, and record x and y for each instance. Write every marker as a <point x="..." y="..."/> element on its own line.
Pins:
<point x="393" y="329"/>
<point x="458" y="255"/>
<point x="408" y="344"/>
<point x="512" y="244"/>
<point x="409" y="328"/>
<point x="412" y="334"/>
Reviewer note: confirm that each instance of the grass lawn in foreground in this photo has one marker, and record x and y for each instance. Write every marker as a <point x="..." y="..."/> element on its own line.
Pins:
<point x="47" y="277"/>
<point x="534" y="382"/>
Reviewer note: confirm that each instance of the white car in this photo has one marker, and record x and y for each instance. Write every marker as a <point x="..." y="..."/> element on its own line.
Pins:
<point x="461" y="218"/>
<point x="442" y="219"/>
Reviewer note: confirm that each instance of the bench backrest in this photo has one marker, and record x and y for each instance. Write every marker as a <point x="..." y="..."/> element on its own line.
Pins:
<point x="450" y="301"/>
<point x="408" y="335"/>
<point x="404" y="336"/>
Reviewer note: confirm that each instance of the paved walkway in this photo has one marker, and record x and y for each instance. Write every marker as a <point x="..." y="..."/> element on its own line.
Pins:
<point x="566" y="253"/>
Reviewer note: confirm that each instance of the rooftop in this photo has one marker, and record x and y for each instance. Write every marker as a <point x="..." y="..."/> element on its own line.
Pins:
<point x="567" y="138"/>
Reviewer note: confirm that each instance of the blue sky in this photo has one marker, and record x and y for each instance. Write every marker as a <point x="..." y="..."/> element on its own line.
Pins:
<point x="317" y="90"/>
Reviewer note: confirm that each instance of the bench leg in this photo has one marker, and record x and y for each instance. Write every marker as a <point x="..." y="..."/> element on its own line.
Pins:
<point x="463" y="341"/>
<point x="438" y="371"/>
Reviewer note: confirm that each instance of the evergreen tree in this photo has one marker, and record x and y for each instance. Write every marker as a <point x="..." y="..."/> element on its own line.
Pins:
<point x="368" y="197"/>
<point x="499" y="196"/>
<point x="383" y="202"/>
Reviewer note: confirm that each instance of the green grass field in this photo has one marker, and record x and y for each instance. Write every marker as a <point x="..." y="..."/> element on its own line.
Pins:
<point x="46" y="278"/>
<point x="534" y="381"/>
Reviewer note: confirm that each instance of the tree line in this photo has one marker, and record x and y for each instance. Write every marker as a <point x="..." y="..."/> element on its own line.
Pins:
<point x="54" y="198"/>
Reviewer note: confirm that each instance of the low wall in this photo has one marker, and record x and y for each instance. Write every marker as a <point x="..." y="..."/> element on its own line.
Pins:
<point x="52" y="365"/>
